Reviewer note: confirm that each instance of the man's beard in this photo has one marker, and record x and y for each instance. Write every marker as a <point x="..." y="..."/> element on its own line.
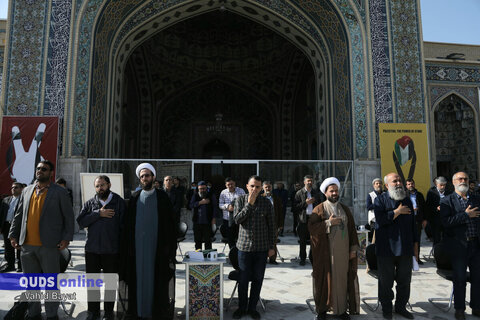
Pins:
<point x="268" y="194"/>
<point x="202" y="194"/>
<point x="332" y="199"/>
<point x="43" y="179"/>
<point x="462" y="188"/>
<point x="103" y="195"/>
<point x="147" y="185"/>
<point x="378" y="189"/>
<point x="397" y="194"/>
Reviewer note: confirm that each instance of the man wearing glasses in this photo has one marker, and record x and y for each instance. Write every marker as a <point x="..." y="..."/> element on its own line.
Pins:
<point x="460" y="212"/>
<point x="7" y="211"/>
<point x="43" y="225"/>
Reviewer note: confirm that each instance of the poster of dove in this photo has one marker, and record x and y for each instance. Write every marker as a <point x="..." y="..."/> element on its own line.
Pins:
<point x="24" y="142"/>
<point x="404" y="150"/>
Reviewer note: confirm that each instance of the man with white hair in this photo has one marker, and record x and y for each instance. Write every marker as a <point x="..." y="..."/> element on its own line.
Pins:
<point x="460" y="214"/>
<point x="396" y="242"/>
<point x="147" y="249"/>
<point x="334" y="249"/>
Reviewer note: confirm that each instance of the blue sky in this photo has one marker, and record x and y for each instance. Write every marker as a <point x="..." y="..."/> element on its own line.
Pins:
<point x="454" y="21"/>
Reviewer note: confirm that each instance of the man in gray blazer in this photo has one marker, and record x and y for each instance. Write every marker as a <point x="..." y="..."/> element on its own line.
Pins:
<point x="43" y="225"/>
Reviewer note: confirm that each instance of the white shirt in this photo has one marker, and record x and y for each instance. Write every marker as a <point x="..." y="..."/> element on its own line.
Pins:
<point x="227" y="198"/>
<point x="310" y="206"/>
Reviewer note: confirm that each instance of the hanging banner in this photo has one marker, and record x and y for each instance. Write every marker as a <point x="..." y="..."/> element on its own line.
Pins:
<point x="404" y="149"/>
<point x="24" y="142"/>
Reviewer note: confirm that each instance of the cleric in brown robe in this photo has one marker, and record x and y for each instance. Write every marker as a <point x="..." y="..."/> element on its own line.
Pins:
<point x="147" y="250"/>
<point x="334" y="249"/>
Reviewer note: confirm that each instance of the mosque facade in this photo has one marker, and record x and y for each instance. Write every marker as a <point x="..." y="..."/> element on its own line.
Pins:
<point x="238" y="79"/>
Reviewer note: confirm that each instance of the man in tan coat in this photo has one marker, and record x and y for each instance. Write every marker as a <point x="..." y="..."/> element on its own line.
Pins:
<point x="334" y="244"/>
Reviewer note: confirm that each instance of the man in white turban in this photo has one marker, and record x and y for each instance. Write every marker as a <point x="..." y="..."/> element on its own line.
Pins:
<point x="148" y="247"/>
<point x="334" y="245"/>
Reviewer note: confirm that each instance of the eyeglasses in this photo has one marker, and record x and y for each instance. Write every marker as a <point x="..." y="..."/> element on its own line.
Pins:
<point x="15" y="187"/>
<point x="42" y="169"/>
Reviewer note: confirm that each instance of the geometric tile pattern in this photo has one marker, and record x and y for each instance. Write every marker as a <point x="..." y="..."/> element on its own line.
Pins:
<point x="358" y="75"/>
<point x="382" y="84"/>
<point x="470" y="94"/>
<point x="452" y="73"/>
<point x="58" y="42"/>
<point x="25" y="57"/>
<point x="80" y="107"/>
<point x="204" y="291"/>
<point x="407" y="61"/>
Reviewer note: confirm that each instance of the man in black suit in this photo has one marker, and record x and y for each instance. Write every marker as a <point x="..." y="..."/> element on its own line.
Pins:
<point x="7" y="212"/>
<point x="434" y="195"/>
<point x="306" y="199"/>
<point x="460" y="212"/>
<point x="418" y="202"/>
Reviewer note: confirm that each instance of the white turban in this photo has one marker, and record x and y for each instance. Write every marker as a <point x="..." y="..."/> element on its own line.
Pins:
<point x="145" y="165"/>
<point x="328" y="182"/>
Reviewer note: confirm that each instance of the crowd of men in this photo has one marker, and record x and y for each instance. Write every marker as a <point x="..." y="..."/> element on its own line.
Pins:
<point x="138" y="240"/>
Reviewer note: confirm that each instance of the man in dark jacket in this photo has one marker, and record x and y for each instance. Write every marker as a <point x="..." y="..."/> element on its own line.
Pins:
<point x="432" y="205"/>
<point x="460" y="216"/>
<point x="396" y="242"/>
<point x="102" y="215"/>
<point x="293" y="192"/>
<point x="205" y="209"/>
<point x="306" y="199"/>
<point x="276" y="202"/>
<point x="418" y="202"/>
<point x="147" y="249"/>
<point x="283" y="195"/>
<point x="7" y="212"/>
<point x="175" y="196"/>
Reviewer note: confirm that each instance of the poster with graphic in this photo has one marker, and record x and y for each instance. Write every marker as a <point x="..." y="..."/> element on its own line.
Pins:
<point x="404" y="149"/>
<point x="25" y="141"/>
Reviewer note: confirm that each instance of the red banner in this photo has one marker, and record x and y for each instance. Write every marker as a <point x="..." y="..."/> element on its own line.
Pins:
<point x="24" y="142"/>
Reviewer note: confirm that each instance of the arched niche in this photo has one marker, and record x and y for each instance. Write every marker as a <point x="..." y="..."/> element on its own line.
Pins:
<point x="455" y="129"/>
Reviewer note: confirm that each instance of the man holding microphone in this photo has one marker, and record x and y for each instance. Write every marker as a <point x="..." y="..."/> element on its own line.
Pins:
<point x="256" y="241"/>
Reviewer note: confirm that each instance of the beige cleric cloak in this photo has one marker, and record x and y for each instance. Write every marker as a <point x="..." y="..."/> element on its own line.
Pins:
<point x="322" y="277"/>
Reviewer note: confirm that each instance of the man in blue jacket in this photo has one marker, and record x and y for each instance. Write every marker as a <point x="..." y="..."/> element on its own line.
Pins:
<point x="102" y="216"/>
<point x="459" y="213"/>
<point x="396" y="244"/>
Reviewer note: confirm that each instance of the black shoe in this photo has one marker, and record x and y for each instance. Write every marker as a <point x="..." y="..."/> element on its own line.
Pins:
<point x="7" y="268"/>
<point x="273" y="262"/>
<point x="19" y="270"/>
<point x="238" y="314"/>
<point x="254" y="314"/>
<point x="108" y="316"/>
<point x="404" y="313"/>
<point x="52" y="318"/>
<point x="387" y="315"/>
<point x="93" y="316"/>
<point x="344" y="316"/>
<point x="37" y="317"/>
<point x="476" y="312"/>
<point x="321" y="316"/>
<point x="302" y="262"/>
<point x="459" y="314"/>
<point x="420" y="261"/>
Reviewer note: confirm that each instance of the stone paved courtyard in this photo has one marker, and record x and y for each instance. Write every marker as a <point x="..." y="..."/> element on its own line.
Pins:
<point x="286" y="286"/>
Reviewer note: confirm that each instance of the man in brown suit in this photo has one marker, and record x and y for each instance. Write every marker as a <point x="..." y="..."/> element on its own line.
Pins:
<point x="334" y="238"/>
<point x="277" y="209"/>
